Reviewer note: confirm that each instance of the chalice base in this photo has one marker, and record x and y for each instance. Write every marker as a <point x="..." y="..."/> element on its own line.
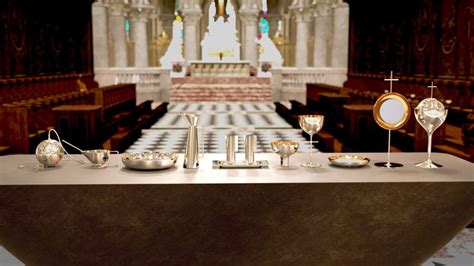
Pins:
<point x="428" y="164"/>
<point x="388" y="164"/>
<point x="311" y="165"/>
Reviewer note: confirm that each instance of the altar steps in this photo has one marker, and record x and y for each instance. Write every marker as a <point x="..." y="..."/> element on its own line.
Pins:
<point x="228" y="89"/>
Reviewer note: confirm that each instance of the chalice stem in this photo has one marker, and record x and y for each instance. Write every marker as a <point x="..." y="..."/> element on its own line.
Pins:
<point x="430" y="135"/>
<point x="311" y="148"/>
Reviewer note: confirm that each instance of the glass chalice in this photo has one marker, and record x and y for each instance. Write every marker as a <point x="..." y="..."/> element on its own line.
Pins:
<point x="430" y="114"/>
<point x="311" y="124"/>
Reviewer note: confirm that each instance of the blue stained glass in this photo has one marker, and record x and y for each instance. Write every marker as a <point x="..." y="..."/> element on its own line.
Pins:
<point x="263" y="25"/>
<point x="127" y="26"/>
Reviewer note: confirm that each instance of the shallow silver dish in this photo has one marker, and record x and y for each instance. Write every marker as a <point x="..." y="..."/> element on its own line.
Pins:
<point x="149" y="160"/>
<point x="348" y="161"/>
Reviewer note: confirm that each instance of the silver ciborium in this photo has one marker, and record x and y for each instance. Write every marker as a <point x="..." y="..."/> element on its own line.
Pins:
<point x="285" y="148"/>
<point x="49" y="152"/>
<point x="430" y="114"/>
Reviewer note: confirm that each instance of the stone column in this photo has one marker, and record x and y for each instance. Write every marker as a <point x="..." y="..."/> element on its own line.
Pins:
<point x="276" y="84"/>
<point x="286" y="25"/>
<point x="191" y="19"/>
<point x="322" y="35"/>
<point x="138" y="20"/>
<point x="249" y="24"/>
<point x="340" y="39"/>
<point x="301" y="50"/>
<point x="117" y="30"/>
<point x="100" y="40"/>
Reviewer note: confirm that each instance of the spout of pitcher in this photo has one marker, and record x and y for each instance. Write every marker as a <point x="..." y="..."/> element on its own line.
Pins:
<point x="192" y="119"/>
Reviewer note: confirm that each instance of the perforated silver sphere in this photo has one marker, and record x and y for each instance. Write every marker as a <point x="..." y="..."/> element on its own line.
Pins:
<point x="49" y="152"/>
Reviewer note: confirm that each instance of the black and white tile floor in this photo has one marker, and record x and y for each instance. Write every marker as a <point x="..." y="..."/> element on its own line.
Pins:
<point x="174" y="140"/>
<point x="217" y="120"/>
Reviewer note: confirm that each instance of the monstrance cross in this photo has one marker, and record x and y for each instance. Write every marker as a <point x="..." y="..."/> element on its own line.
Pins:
<point x="391" y="79"/>
<point x="432" y="86"/>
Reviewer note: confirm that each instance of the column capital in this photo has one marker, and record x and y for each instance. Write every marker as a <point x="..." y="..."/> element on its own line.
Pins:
<point x="154" y="13"/>
<point x="139" y="15"/>
<point x="322" y="9"/>
<point x="140" y="9"/>
<point x="299" y="5"/>
<point x="303" y="16"/>
<point x="249" y="16"/>
<point x="191" y="8"/>
<point x="118" y="9"/>
<point x="338" y="3"/>
<point x="249" y="5"/>
<point x="301" y="10"/>
<point x="192" y="15"/>
<point x="141" y="5"/>
<point x="99" y="3"/>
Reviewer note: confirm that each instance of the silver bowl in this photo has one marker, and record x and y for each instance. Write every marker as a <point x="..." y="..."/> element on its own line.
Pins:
<point x="149" y="160"/>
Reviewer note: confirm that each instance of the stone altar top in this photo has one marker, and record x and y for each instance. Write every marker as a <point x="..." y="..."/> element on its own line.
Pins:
<point x="71" y="173"/>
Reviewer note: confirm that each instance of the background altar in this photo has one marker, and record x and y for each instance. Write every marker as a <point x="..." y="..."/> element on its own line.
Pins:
<point x="219" y="69"/>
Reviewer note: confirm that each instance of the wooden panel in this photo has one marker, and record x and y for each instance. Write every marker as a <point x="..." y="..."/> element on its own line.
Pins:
<point x="45" y="37"/>
<point x="80" y="124"/>
<point x="419" y="40"/>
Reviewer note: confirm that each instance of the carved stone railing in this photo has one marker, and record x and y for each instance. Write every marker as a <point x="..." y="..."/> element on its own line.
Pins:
<point x="153" y="83"/>
<point x="289" y="83"/>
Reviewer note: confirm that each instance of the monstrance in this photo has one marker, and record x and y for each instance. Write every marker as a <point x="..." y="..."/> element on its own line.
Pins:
<point x="391" y="112"/>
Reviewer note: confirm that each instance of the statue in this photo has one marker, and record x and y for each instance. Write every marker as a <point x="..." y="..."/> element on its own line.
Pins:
<point x="173" y="57"/>
<point x="269" y="52"/>
<point x="220" y="42"/>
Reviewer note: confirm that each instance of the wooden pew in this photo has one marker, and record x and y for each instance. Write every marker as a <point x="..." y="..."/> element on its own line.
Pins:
<point x="26" y="106"/>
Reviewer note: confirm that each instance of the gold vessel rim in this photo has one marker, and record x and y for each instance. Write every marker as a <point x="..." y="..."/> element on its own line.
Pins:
<point x="347" y="156"/>
<point x="378" y="104"/>
<point x="285" y="142"/>
<point x="310" y="115"/>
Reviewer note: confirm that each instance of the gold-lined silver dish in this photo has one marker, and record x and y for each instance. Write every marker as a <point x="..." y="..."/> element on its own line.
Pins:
<point x="156" y="160"/>
<point x="348" y="161"/>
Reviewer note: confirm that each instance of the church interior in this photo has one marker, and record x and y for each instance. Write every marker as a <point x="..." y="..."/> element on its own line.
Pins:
<point x="124" y="124"/>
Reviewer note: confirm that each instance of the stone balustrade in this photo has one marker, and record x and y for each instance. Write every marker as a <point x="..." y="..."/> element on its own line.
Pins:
<point x="153" y="83"/>
<point x="289" y="83"/>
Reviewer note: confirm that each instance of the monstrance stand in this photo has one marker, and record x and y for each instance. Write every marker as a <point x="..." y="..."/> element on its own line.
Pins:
<point x="391" y="112"/>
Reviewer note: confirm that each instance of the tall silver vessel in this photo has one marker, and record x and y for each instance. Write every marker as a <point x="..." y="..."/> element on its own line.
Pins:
<point x="191" y="155"/>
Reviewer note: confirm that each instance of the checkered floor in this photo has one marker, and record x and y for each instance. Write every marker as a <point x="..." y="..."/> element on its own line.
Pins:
<point x="221" y="107"/>
<point x="174" y="140"/>
<point x="226" y="120"/>
<point x="217" y="120"/>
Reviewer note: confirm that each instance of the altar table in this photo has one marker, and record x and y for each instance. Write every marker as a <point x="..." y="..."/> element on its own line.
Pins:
<point x="328" y="216"/>
<point x="220" y="69"/>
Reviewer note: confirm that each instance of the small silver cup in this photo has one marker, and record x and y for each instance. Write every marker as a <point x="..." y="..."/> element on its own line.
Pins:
<point x="250" y="145"/>
<point x="231" y="146"/>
